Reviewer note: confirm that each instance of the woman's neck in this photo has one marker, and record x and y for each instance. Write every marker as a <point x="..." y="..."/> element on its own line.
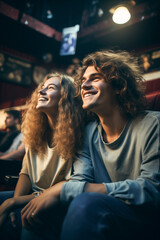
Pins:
<point x="52" y="122"/>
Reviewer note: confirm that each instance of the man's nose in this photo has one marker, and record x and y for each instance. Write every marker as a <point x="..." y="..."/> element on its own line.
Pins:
<point x="86" y="84"/>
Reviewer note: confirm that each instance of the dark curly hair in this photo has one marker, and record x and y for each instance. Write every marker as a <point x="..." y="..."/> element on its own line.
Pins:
<point x="121" y="71"/>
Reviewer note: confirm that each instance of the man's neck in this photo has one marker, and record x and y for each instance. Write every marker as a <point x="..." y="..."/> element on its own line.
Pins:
<point x="112" y="126"/>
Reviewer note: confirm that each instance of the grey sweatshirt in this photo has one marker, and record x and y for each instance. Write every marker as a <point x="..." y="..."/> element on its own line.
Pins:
<point x="129" y="166"/>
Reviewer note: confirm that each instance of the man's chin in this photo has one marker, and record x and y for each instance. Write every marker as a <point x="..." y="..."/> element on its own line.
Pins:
<point x="89" y="107"/>
<point x="85" y="107"/>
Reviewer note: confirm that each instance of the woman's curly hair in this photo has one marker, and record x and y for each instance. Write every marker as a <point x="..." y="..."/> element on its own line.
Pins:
<point x="69" y="124"/>
<point x="121" y="71"/>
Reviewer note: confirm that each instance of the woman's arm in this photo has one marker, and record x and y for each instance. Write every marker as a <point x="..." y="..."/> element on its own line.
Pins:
<point x="23" y="186"/>
<point x="21" y="197"/>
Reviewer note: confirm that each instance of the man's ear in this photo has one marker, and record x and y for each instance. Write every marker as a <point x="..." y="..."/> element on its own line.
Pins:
<point x="123" y="89"/>
<point x="120" y="86"/>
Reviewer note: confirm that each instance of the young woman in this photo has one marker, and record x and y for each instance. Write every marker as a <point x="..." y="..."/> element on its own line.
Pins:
<point x="52" y="128"/>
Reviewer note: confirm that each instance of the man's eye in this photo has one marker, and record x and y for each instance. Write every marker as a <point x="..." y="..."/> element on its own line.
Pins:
<point x="96" y="78"/>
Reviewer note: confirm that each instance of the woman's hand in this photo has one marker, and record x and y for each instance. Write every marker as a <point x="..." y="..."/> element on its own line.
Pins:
<point x="5" y="209"/>
<point x="13" y="219"/>
<point x="32" y="212"/>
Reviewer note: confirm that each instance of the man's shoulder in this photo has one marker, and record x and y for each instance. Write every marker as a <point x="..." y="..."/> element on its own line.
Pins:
<point x="90" y="130"/>
<point x="91" y="127"/>
<point x="146" y="120"/>
<point x="152" y="116"/>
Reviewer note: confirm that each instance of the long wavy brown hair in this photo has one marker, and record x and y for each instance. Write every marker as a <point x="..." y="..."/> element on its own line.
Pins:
<point x="69" y="124"/>
<point x="121" y="71"/>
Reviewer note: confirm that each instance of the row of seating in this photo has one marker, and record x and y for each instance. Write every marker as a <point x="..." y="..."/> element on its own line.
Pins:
<point x="9" y="173"/>
<point x="153" y="94"/>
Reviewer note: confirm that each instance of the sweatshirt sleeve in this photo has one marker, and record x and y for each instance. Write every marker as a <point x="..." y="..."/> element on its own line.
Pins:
<point x="82" y="173"/>
<point x="145" y="190"/>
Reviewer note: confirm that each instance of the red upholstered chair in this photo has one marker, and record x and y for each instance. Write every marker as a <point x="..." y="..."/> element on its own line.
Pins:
<point x="153" y="94"/>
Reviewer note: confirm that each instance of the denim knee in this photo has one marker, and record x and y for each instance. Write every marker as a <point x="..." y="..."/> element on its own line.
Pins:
<point x="86" y="205"/>
<point x="83" y="219"/>
<point x="4" y="195"/>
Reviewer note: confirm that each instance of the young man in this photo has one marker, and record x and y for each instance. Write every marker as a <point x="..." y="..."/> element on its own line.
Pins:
<point x="119" y="164"/>
<point x="11" y="146"/>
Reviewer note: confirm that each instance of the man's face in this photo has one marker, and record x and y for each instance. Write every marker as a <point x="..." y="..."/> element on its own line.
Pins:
<point x="10" y="121"/>
<point x="97" y="95"/>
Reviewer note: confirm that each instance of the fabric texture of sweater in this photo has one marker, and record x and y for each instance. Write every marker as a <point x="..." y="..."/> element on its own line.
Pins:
<point x="129" y="166"/>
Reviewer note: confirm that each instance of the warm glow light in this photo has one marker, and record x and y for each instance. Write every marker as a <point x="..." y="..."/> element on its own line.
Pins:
<point x="121" y="15"/>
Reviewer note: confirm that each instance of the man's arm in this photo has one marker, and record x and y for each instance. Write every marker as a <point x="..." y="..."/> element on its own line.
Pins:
<point x="16" y="154"/>
<point x="95" y="187"/>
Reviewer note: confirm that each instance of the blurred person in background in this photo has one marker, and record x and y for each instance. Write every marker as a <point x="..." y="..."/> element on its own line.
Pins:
<point x="11" y="145"/>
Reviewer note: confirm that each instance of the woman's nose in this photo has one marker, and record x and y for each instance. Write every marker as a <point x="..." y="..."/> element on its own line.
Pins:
<point x="41" y="91"/>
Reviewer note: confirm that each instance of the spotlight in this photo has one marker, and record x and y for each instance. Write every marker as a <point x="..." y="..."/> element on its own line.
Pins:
<point x="121" y="15"/>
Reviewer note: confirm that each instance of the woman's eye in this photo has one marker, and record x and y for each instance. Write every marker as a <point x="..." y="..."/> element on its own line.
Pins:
<point x="50" y="87"/>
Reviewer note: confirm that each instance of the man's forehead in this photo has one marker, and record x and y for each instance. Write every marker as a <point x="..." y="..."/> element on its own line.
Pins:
<point x="90" y="70"/>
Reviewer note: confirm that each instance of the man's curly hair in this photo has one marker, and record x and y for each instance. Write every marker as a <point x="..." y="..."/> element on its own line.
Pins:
<point x="121" y="71"/>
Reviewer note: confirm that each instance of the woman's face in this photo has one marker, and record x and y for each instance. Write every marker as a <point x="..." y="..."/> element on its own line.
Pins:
<point x="49" y="95"/>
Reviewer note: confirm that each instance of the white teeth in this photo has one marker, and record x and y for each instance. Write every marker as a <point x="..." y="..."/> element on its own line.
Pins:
<point x="87" y="95"/>
<point x="42" y="99"/>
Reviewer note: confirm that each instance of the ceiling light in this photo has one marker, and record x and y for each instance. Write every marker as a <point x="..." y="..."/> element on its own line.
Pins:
<point x="121" y="15"/>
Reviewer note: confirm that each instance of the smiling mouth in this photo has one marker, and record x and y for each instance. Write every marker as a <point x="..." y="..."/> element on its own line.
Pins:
<point x="85" y="95"/>
<point x="42" y="99"/>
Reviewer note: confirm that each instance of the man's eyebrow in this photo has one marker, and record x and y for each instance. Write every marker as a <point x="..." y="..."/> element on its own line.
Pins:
<point x="93" y="75"/>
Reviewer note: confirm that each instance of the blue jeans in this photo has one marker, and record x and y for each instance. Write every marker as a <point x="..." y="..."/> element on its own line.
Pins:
<point x="101" y="217"/>
<point x="8" y="232"/>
